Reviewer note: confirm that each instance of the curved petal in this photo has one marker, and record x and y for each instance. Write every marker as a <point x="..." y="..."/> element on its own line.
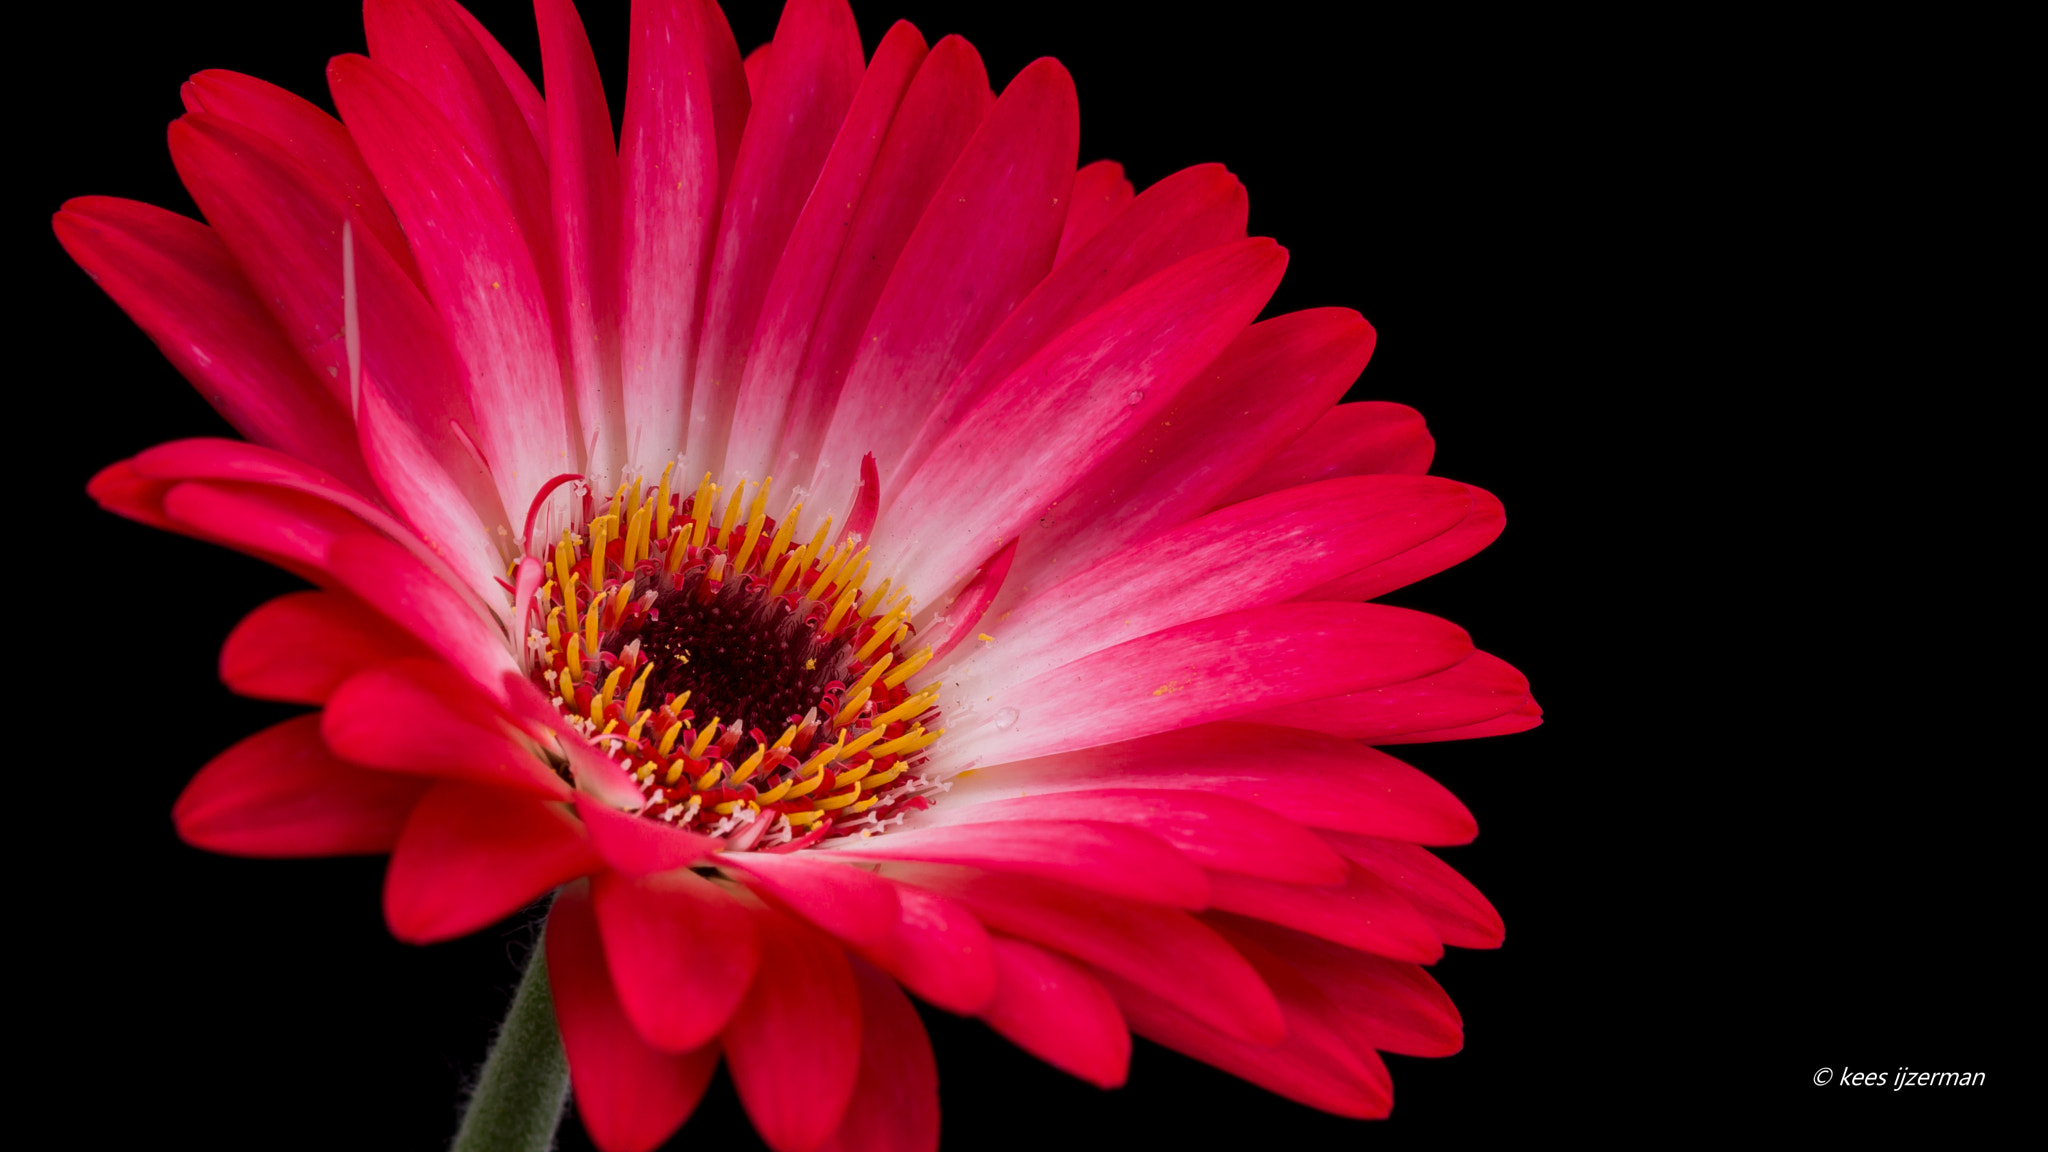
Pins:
<point x="1367" y="438"/>
<point x="532" y="108"/>
<point x="294" y="531"/>
<point x="636" y="846"/>
<point x="1112" y="859"/>
<point x="1456" y="911"/>
<point x="1481" y="526"/>
<point x="1209" y="669"/>
<point x="854" y="905"/>
<point x="956" y="619"/>
<point x="281" y="793"/>
<point x="1100" y="192"/>
<point x="681" y="953"/>
<point x="1165" y="948"/>
<point x="794" y="1045"/>
<point x="938" y="950"/>
<point x="1052" y="1008"/>
<point x="1312" y="779"/>
<point x="631" y="1096"/>
<point x="1528" y="716"/>
<point x="898" y="1088"/>
<point x="1477" y="689"/>
<point x="391" y="580"/>
<point x="1366" y="913"/>
<point x="413" y="716"/>
<point x="299" y="647"/>
<point x="470" y="856"/>
<point x="1391" y="1005"/>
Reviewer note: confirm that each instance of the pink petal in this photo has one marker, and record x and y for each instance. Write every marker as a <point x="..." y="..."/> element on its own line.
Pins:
<point x="756" y="64"/>
<point x="584" y="192"/>
<point x="281" y="793"/>
<point x="631" y="1096"/>
<point x="1369" y="438"/>
<point x="1272" y="381"/>
<point x="1366" y="913"/>
<point x="313" y="138"/>
<point x="1456" y="911"/>
<point x="471" y="856"/>
<point x="794" y="1045"/>
<point x="1528" y="716"/>
<point x="1094" y="387"/>
<point x="1052" y="1008"/>
<point x="635" y="846"/>
<point x="939" y="951"/>
<point x="986" y="240"/>
<point x="1109" y="858"/>
<point x="789" y="312"/>
<point x="1100" y="192"/>
<point x="389" y="579"/>
<point x="1216" y="832"/>
<point x="805" y="91"/>
<point x="1379" y="1003"/>
<point x="1205" y="670"/>
<point x="1479" y="688"/>
<point x="898" y="1088"/>
<point x="1189" y="212"/>
<point x="486" y="281"/>
<point x="686" y="100"/>
<point x="1481" y="526"/>
<point x="294" y="531"/>
<point x="1259" y="552"/>
<point x="854" y="905"/>
<point x="1316" y="780"/>
<point x="299" y="647"/>
<point x="940" y="113"/>
<point x="532" y="108"/>
<point x="680" y="951"/>
<point x="176" y="280"/>
<point x="960" y="617"/>
<point x="416" y="716"/>
<point x="1313" y="1065"/>
<point x="1188" y="965"/>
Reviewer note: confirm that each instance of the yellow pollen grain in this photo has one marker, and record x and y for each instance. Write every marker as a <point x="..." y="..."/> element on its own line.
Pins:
<point x="853" y="706"/>
<point x="730" y="520"/>
<point x="757" y="515"/>
<point x="575" y="657"/>
<point x="779" y="543"/>
<point x="704" y="739"/>
<point x="783" y="578"/>
<point x="639" y="689"/>
<point x="985" y="638"/>
<point x="869" y="677"/>
<point x="709" y="778"/>
<point x="611" y="688"/>
<point x="661" y="506"/>
<point x="909" y="668"/>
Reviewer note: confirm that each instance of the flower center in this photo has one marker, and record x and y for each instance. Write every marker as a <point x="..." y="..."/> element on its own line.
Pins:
<point x="753" y="690"/>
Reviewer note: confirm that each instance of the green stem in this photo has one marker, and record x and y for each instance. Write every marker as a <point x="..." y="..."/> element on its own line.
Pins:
<point x="519" y="1097"/>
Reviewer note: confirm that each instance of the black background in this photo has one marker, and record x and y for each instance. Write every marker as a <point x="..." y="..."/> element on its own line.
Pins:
<point x="1659" y="287"/>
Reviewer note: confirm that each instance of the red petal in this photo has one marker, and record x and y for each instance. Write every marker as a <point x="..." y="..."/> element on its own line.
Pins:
<point x="1366" y="913"/>
<point x="939" y="951"/>
<point x="471" y="856"/>
<point x="1456" y="911"/>
<point x="1528" y="716"/>
<point x="794" y="1046"/>
<point x="302" y="645"/>
<point x="1108" y="858"/>
<point x="681" y="953"/>
<point x="1100" y="192"/>
<point x="294" y="531"/>
<point x="1052" y="1008"/>
<point x="631" y="1096"/>
<point x="1368" y="438"/>
<point x="1479" y="688"/>
<point x="1380" y="1003"/>
<point x="1481" y="526"/>
<point x="964" y="613"/>
<point x="281" y="793"/>
<point x="415" y="716"/>
<point x="898" y="1088"/>
<point x="854" y="905"/>
<point x="637" y="846"/>
<point x="389" y="579"/>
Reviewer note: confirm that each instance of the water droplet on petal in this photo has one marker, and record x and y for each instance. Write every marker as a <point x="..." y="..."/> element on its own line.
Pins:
<point x="1006" y="719"/>
<point x="1134" y="397"/>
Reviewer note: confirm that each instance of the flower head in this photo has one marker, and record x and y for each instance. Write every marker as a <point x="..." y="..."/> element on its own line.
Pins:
<point x="831" y="540"/>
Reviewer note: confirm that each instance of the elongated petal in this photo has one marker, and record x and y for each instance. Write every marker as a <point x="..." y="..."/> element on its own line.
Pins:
<point x="1168" y="950"/>
<point x="180" y="285"/>
<point x="1112" y="859"/>
<point x="987" y="238"/>
<point x="289" y="529"/>
<point x="1209" y="669"/>
<point x="680" y="951"/>
<point x="636" y="846"/>
<point x="1272" y="381"/>
<point x="853" y="905"/>
<point x="1217" y="832"/>
<point x="1052" y="1008"/>
<point x="631" y="1096"/>
<point x="407" y="592"/>
<point x="938" y="950"/>
<point x="470" y="856"/>
<point x="807" y="86"/>
<point x="1481" y="526"/>
<point x="1391" y="1005"/>
<point x="898" y="1088"/>
<point x="789" y="312"/>
<point x="1372" y="437"/>
<point x="1456" y="911"/>
<point x="957" y="620"/>
<point x="280" y="792"/>
<point x="1479" y="688"/>
<point x="302" y="645"/>
<point x="415" y="716"/>
<point x="1100" y="192"/>
<point x="1528" y="716"/>
<point x="1366" y="913"/>
<point x="1258" y="552"/>
<point x="413" y="473"/>
<point x="1088" y="391"/>
<point x="794" y="1045"/>
<point x="686" y="98"/>
<point x="941" y="110"/>
<point x="583" y="185"/>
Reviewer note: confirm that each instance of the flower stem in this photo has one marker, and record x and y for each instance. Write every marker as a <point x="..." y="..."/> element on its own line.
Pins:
<point x="519" y="1097"/>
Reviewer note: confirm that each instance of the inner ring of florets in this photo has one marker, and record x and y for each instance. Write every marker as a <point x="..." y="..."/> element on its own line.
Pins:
<point x="752" y="690"/>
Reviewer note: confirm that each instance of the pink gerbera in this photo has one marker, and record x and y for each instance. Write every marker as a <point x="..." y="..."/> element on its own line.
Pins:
<point x="830" y="542"/>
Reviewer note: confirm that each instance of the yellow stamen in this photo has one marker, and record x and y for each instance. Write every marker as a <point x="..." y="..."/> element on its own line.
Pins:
<point x="646" y="772"/>
<point x="879" y="779"/>
<point x="748" y="765"/>
<point x="864" y="805"/>
<point x="873" y="604"/>
<point x="841" y="558"/>
<point x="730" y="520"/>
<point x="704" y="739"/>
<point x="618" y="496"/>
<point x="620" y="599"/>
<point x="661" y="506"/>
<point x="569" y="601"/>
<point x="922" y="742"/>
<point x="639" y="721"/>
<point x="636" y="535"/>
<point x="911" y="707"/>
<point x="709" y="777"/>
<point x="909" y="668"/>
<point x="822" y="756"/>
<point x="668" y="739"/>
<point x="884" y="633"/>
<point x="783" y="578"/>
<point x="775" y="793"/>
<point x="611" y="686"/>
<point x="554" y="629"/>
<point x="675" y="773"/>
<point x="817" y="545"/>
<point x="700" y="512"/>
<point x="779" y="543"/>
<point x="869" y="677"/>
<point x="593" y="622"/>
<point x="678" y="547"/>
<point x="568" y="683"/>
<point x="861" y="742"/>
<point x="802" y="789"/>
<point x="852" y="774"/>
<point x="787" y="738"/>
<point x="853" y="706"/>
<point x="727" y="808"/>
<point x="639" y="688"/>
<point x="804" y="819"/>
<point x="596" y="709"/>
<point x="898" y="744"/>
<point x="757" y="515"/>
<point x="600" y="532"/>
<point x="575" y="658"/>
<point x="565" y="556"/>
<point x="839" y="800"/>
<point x="839" y="608"/>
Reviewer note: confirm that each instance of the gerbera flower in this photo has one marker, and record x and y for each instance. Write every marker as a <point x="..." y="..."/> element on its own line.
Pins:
<point x="830" y="541"/>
